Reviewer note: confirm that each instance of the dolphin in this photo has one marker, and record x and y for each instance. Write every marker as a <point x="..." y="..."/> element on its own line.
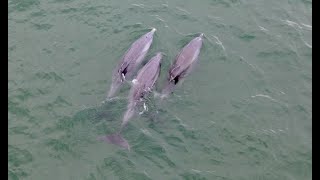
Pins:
<point x="130" y="61"/>
<point x="182" y="65"/>
<point x="142" y="85"/>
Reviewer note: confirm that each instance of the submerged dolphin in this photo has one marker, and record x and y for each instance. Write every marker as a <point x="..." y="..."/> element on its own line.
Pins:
<point x="142" y="86"/>
<point x="130" y="61"/>
<point x="183" y="64"/>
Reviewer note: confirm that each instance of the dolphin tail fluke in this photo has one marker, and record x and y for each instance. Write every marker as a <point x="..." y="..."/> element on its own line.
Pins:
<point x="115" y="139"/>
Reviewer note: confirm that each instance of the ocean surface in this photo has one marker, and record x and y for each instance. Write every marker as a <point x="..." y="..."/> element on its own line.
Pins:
<point x="244" y="113"/>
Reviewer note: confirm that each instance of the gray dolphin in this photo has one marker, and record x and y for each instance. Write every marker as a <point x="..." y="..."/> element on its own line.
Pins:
<point x="141" y="86"/>
<point x="130" y="61"/>
<point x="183" y="64"/>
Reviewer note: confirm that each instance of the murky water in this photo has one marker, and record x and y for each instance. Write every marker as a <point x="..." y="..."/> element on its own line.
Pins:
<point x="244" y="113"/>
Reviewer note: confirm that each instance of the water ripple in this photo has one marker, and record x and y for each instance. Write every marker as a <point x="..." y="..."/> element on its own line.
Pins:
<point x="244" y="113"/>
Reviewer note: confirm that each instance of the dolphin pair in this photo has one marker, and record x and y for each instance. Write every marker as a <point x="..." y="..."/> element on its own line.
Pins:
<point x="148" y="75"/>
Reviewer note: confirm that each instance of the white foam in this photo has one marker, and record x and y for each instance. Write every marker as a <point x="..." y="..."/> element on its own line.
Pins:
<point x="183" y="10"/>
<point x="263" y="29"/>
<point x="138" y="5"/>
<point x="308" y="45"/>
<point x="134" y="81"/>
<point x="265" y="96"/>
<point x="219" y="42"/>
<point x="195" y="170"/>
<point x="309" y="27"/>
<point x="292" y="23"/>
<point x="252" y="66"/>
<point x="146" y="131"/>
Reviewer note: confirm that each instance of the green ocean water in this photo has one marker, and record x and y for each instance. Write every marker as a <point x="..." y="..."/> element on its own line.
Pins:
<point x="244" y="113"/>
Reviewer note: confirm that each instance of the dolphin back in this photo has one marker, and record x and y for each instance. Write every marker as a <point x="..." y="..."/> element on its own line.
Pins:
<point x="183" y="64"/>
<point x="136" y="53"/>
<point x="150" y="72"/>
<point x="146" y="78"/>
<point x="130" y="61"/>
<point x="187" y="56"/>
